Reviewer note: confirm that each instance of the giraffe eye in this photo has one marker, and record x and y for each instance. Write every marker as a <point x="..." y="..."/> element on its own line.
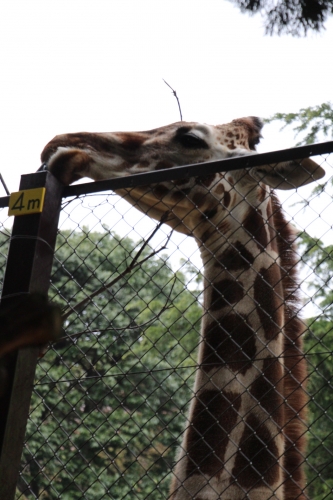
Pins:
<point x="192" y="141"/>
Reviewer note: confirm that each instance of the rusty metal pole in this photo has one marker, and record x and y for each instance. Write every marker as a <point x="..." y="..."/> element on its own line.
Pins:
<point x="28" y="270"/>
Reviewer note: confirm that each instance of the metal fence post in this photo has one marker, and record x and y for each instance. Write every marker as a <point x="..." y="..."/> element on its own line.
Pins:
<point x="28" y="270"/>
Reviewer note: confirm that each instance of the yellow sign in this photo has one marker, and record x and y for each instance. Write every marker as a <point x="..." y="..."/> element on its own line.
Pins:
<point x="29" y="201"/>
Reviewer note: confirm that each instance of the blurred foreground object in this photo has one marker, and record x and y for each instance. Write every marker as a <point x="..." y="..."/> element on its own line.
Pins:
<point x="30" y="321"/>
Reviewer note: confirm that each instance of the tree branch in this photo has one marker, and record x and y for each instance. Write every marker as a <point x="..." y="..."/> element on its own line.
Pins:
<point x="135" y="263"/>
<point x="128" y="327"/>
<point x="175" y="94"/>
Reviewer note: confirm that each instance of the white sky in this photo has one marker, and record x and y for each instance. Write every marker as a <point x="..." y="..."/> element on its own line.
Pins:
<point x="97" y="65"/>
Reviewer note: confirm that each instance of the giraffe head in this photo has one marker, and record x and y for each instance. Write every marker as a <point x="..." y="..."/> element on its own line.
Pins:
<point x="107" y="155"/>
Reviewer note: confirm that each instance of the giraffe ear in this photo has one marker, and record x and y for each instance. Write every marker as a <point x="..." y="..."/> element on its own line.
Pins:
<point x="288" y="175"/>
<point x="253" y="126"/>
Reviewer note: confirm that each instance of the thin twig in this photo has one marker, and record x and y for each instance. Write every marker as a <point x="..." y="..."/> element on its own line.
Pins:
<point x="135" y="263"/>
<point x="175" y="94"/>
<point x="166" y="307"/>
<point x="4" y="184"/>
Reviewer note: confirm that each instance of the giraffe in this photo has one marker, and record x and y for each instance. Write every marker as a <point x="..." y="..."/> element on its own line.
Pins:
<point x="244" y="437"/>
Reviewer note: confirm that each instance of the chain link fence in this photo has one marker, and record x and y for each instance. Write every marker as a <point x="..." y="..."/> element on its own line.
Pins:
<point x="111" y="397"/>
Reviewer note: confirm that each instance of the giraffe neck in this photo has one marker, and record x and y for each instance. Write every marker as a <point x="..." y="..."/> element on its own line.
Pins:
<point x="233" y="442"/>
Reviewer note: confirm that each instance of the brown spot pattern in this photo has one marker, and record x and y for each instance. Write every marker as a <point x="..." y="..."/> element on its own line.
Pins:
<point x="178" y="195"/>
<point x="180" y="182"/>
<point x="252" y="126"/>
<point x="198" y="199"/>
<point x="219" y="189"/>
<point x="223" y="227"/>
<point x="255" y="225"/>
<point x="256" y="463"/>
<point x="226" y="199"/>
<point x="205" y="180"/>
<point x="232" y="342"/>
<point x="160" y="191"/>
<point x="225" y="293"/>
<point x="214" y="416"/>
<point x="270" y="226"/>
<point x="161" y="165"/>
<point x="208" y="233"/>
<point x="209" y="214"/>
<point x="131" y="140"/>
<point x="237" y="257"/>
<point x="269" y="304"/>
<point x="83" y="140"/>
<point x="143" y="164"/>
<point x="268" y="389"/>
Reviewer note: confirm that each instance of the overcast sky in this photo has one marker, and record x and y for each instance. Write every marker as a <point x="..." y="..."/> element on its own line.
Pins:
<point x="97" y="65"/>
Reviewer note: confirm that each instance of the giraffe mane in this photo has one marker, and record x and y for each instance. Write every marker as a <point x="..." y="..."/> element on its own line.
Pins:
<point x="295" y="367"/>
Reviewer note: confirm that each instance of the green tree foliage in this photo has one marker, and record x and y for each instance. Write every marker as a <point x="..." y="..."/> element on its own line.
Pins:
<point x="318" y="346"/>
<point x="294" y="17"/>
<point x="109" y="401"/>
<point x="315" y="122"/>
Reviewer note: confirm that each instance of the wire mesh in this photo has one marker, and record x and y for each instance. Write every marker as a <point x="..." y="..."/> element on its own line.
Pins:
<point x="111" y="398"/>
<point x="5" y="230"/>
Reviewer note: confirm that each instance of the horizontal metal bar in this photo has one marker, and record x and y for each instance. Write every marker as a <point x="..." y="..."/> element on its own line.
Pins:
<point x="4" y="201"/>
<point x="193" y="170"/>
<point x="206" y="168"/>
